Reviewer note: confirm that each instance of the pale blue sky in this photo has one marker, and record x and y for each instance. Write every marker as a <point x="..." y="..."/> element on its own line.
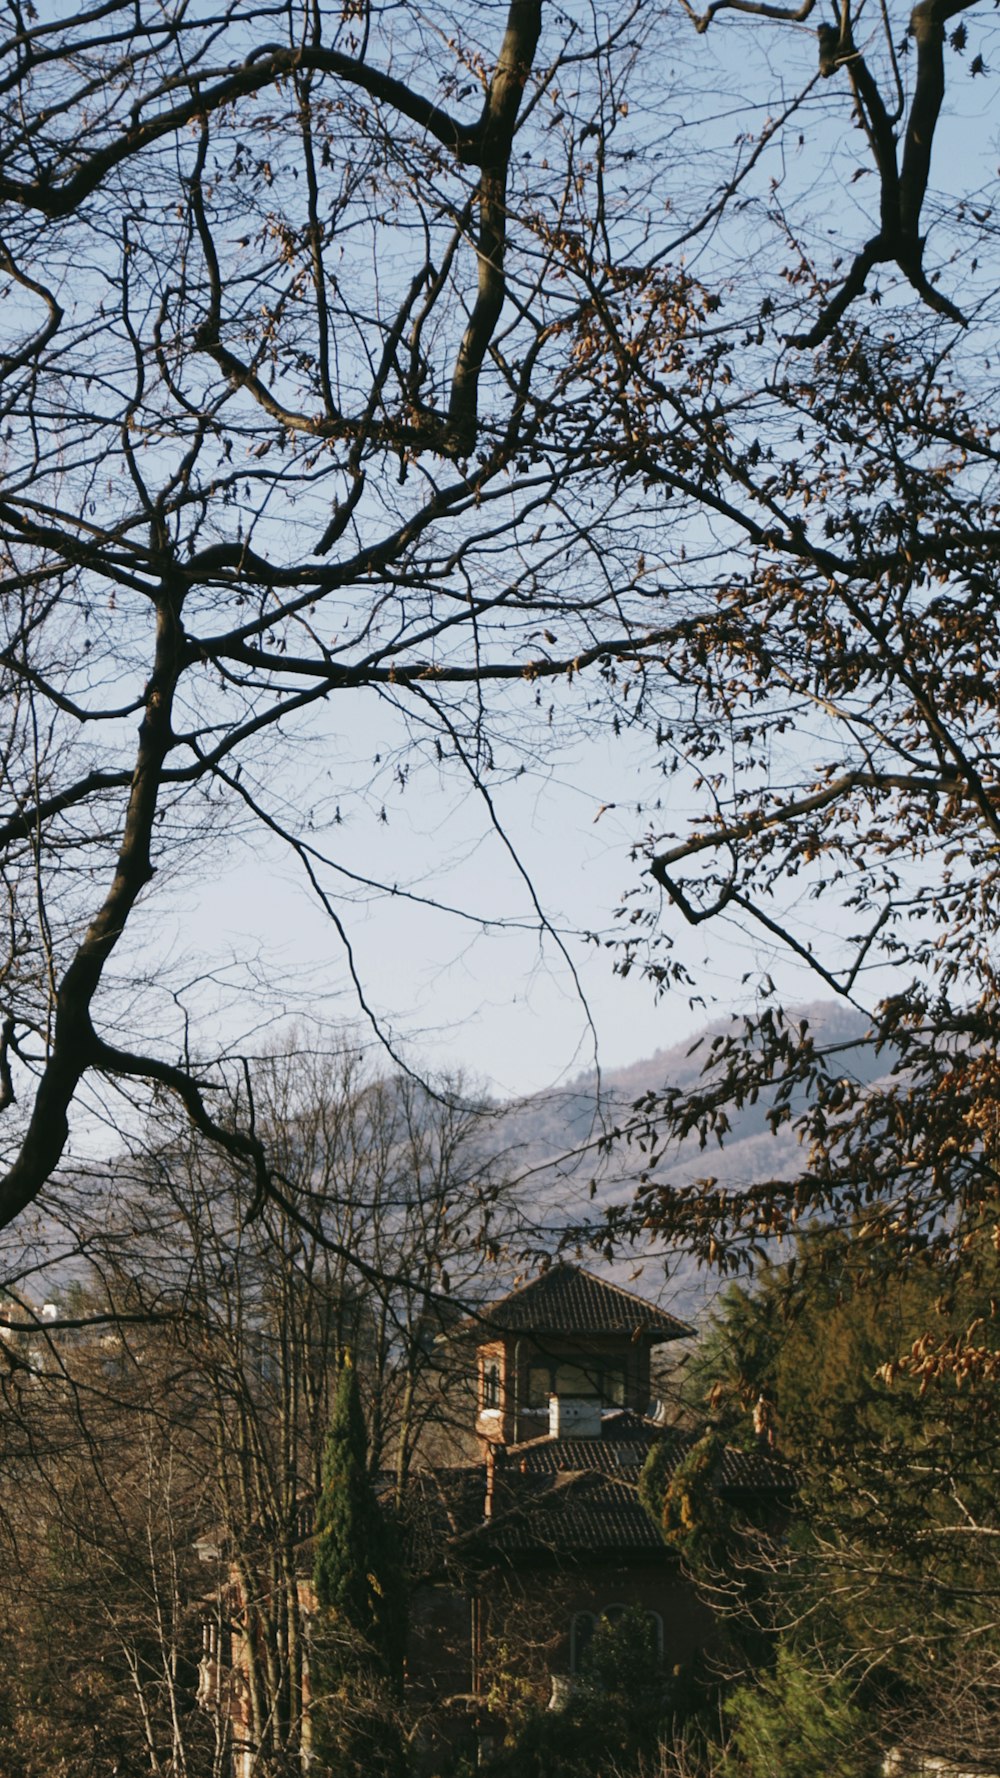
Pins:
<point x="503" y="1005"/>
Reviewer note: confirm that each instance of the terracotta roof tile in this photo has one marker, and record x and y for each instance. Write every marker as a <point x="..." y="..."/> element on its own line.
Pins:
<point x="597" y="1516"/>
<point x="624" y="1445"/>
<point x="574" y="1497"/>
<point x="568" y="1300"/>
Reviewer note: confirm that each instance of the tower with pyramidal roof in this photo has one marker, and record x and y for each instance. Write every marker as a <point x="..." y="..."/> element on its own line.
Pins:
<point x="558" y="1354"/>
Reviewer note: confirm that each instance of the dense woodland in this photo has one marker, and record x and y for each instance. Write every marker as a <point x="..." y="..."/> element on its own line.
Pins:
<point x="393" y="400"/>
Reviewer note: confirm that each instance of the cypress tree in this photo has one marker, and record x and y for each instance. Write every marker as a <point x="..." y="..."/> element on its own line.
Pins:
<point x="359" y="1628"/>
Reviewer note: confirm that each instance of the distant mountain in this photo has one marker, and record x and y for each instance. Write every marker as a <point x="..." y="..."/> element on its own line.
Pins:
<point x="551" y="1143"/>
<point x="553" y="1138"/>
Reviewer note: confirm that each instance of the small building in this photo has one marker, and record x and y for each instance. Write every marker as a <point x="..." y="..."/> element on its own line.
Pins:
<point x="526" y="1550"/>
<point x="515" y="1557"/>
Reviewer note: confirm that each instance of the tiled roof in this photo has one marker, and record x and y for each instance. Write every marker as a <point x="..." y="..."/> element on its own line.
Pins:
<point x="625" y="1443"/>
<point x="585" y="1515"/>
<point x="754" y="1472"/>
<point x="440" y="1506"/>
<point x="567" y="1300"/>
<point x="566" y="1497"/>
<point x="621" y="1450"/>
<point x="551" y="1456"/>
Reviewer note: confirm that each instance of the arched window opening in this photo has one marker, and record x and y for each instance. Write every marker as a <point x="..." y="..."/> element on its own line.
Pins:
<point x="613" y="1614"/>
<point x="584" y="1625"/>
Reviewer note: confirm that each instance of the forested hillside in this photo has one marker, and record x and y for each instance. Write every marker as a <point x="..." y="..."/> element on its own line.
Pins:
<point x="579" y="1176"/>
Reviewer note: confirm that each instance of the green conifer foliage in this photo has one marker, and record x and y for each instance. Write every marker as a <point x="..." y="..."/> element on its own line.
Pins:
<point x="683" y="1499"/>
<point x="799" y="1722"/>
<point x="357" y="1645"/>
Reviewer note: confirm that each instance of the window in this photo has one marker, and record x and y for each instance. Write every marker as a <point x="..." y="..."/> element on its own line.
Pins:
<point x="600" y="1381"/>
<point x="613" y="1386"/>
<point x="584" y="1624"/>
<point x="490" y="1385"/>
<point x="581" y="1634"/>
<point x="539" y="1386"/>
<point x="581" y="1382"/>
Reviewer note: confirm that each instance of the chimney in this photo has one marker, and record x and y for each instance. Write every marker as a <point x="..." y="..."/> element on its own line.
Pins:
<point x="574" y="1417"/>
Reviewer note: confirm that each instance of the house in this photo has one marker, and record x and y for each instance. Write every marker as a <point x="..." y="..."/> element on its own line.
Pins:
<point x="517" y="1557"/>
<point x="514" y="1557"/>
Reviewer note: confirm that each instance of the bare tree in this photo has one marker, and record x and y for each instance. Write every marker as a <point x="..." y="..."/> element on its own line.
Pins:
<point x="164" y="1427"/>
<point x="356" y="359"/>
<point x="105" y="1492"/>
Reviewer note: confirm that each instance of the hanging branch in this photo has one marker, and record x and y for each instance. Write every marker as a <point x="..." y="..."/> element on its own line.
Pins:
<point x="903" y="190"/>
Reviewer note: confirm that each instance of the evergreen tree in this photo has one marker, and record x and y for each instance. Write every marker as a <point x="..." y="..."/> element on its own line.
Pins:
<point x="798" y="1722"/>
<point x="889" y="1565"/>
<point x="694" y="1518"/>
<point x="359" y="1627"/>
